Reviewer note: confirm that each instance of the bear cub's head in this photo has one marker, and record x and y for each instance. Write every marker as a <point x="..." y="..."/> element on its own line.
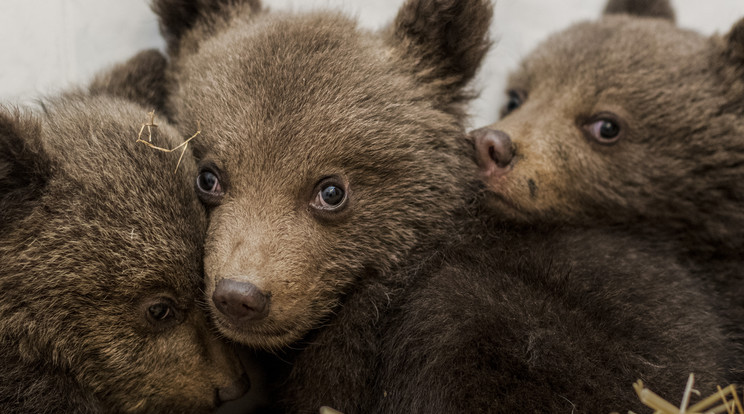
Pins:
<point x="329" y="151"/>
<point x="626" y="119"/>
<point x="101" y="281"/>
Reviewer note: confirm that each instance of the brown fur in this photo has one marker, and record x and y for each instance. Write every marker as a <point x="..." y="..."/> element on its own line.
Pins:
<point x="392" y="304"/>
<point x="96" y="228"/>
<point x="660" y="9"/>
<point x="548" y="321"/>
<point x="677" y="171"/>
<point x="141" y="79"/>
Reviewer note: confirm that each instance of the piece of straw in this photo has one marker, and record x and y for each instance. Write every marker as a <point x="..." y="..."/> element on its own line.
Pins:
<point x="709" y="401"/>
<point x="706" y="406"/>
<point x="151" y="124"/>
<point x="328" y="410"/>
<point x="686" y="395"/>
<point x="650" y="399"/>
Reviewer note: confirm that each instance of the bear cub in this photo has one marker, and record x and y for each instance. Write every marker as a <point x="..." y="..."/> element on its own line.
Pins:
<point x="628" y="121"/>
<point x="101" y="309"/>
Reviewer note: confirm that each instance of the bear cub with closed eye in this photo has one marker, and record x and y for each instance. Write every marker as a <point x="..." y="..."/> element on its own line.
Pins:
<point x="101" y="278"/>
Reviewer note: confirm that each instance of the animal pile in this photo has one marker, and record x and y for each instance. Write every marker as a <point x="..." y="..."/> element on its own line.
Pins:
<point x="332" y="236"/>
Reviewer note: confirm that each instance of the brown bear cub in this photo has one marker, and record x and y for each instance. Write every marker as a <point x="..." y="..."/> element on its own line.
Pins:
<point x="101" y="281"/>
<point x="344" y="235"/>
<point x="629" y="121"/>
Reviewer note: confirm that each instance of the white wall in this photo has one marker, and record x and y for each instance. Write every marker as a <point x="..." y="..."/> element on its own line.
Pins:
<point x="46" y="45"/>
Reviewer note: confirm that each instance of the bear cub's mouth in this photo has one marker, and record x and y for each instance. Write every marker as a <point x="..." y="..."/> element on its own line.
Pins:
<point x="253" y="332"/>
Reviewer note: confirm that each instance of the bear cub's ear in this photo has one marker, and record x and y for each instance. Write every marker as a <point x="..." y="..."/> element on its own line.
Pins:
<point x="661" y="9"/>
<point x="447" y="39"/>
<point x="24" y="168"/>
<point x="735" y="42"/>
<point x="140" y="79"/>
<point x="177" y="17"/>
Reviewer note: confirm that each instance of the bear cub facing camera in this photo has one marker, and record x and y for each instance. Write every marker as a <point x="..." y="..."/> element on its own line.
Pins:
<point x="629" y="120"/>
<point x="101" y="246"/>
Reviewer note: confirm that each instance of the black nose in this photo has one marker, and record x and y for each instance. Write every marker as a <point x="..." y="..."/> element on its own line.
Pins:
<point x="240" y="301"/>
<point x="493" y="147"/>
<point x="235" y="390"/>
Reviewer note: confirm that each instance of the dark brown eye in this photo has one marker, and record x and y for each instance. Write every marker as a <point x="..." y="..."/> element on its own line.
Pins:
<point x="515" y="99"/>
<point x="160" y="312"/>
<point x="208" y="182"/>
<point x="209" y="187"/>
<point x="331" y="195"/>
<point x="605" y="129"/>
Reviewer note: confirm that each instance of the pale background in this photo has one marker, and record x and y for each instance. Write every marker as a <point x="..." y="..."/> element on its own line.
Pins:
<point x="47" y="45"/>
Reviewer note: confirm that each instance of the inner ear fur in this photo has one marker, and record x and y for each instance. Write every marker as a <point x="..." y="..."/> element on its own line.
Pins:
<point x="446" y="40"/>
<point x="661" y="9"/>
<point x="24" y="167"/>
<point x="178" y="17"/>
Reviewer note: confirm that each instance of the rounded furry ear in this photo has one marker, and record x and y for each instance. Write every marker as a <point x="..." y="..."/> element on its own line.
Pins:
<point x="140" y="79"/>
<point x="661" y="9"/>
<point x="735" y="41"/>
<point x="445" y="40"/>
<point x="24" y="167"/>
<point x="178" y="17"/>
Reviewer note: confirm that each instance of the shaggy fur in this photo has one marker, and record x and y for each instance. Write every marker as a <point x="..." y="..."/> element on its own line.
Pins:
<point x="95" y="230"/>
<point x="676" y="171"/>
<point x="141" y="79"/>
<point x="548" y="321"/>
<point x="388" y="304"/>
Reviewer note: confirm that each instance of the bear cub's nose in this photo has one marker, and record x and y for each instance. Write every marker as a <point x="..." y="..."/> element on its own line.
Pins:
<point x="240" y="301"/>
<point x="494" y="148"/>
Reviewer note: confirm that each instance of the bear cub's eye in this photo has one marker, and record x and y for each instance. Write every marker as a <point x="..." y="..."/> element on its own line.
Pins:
<point x="330" y="195"/>
<point x="605" y="128"/>
<point x="208" y="182"/>
<point x="514" y="101"/>
<point x="160" y="313"/>
<point x="208" y="186"/>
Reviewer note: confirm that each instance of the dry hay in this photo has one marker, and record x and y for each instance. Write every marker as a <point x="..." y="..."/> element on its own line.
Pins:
<point x="150" y="124"/>
<point x="726" y="400"/>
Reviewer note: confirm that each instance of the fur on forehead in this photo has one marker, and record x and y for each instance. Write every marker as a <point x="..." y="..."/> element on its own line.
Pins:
<point x="84" y="149"/>
<point x="318" y="69"/>
<point x="440" y="43"/>
<point x="661" y="9"/>
<point x="591" y="54"/>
